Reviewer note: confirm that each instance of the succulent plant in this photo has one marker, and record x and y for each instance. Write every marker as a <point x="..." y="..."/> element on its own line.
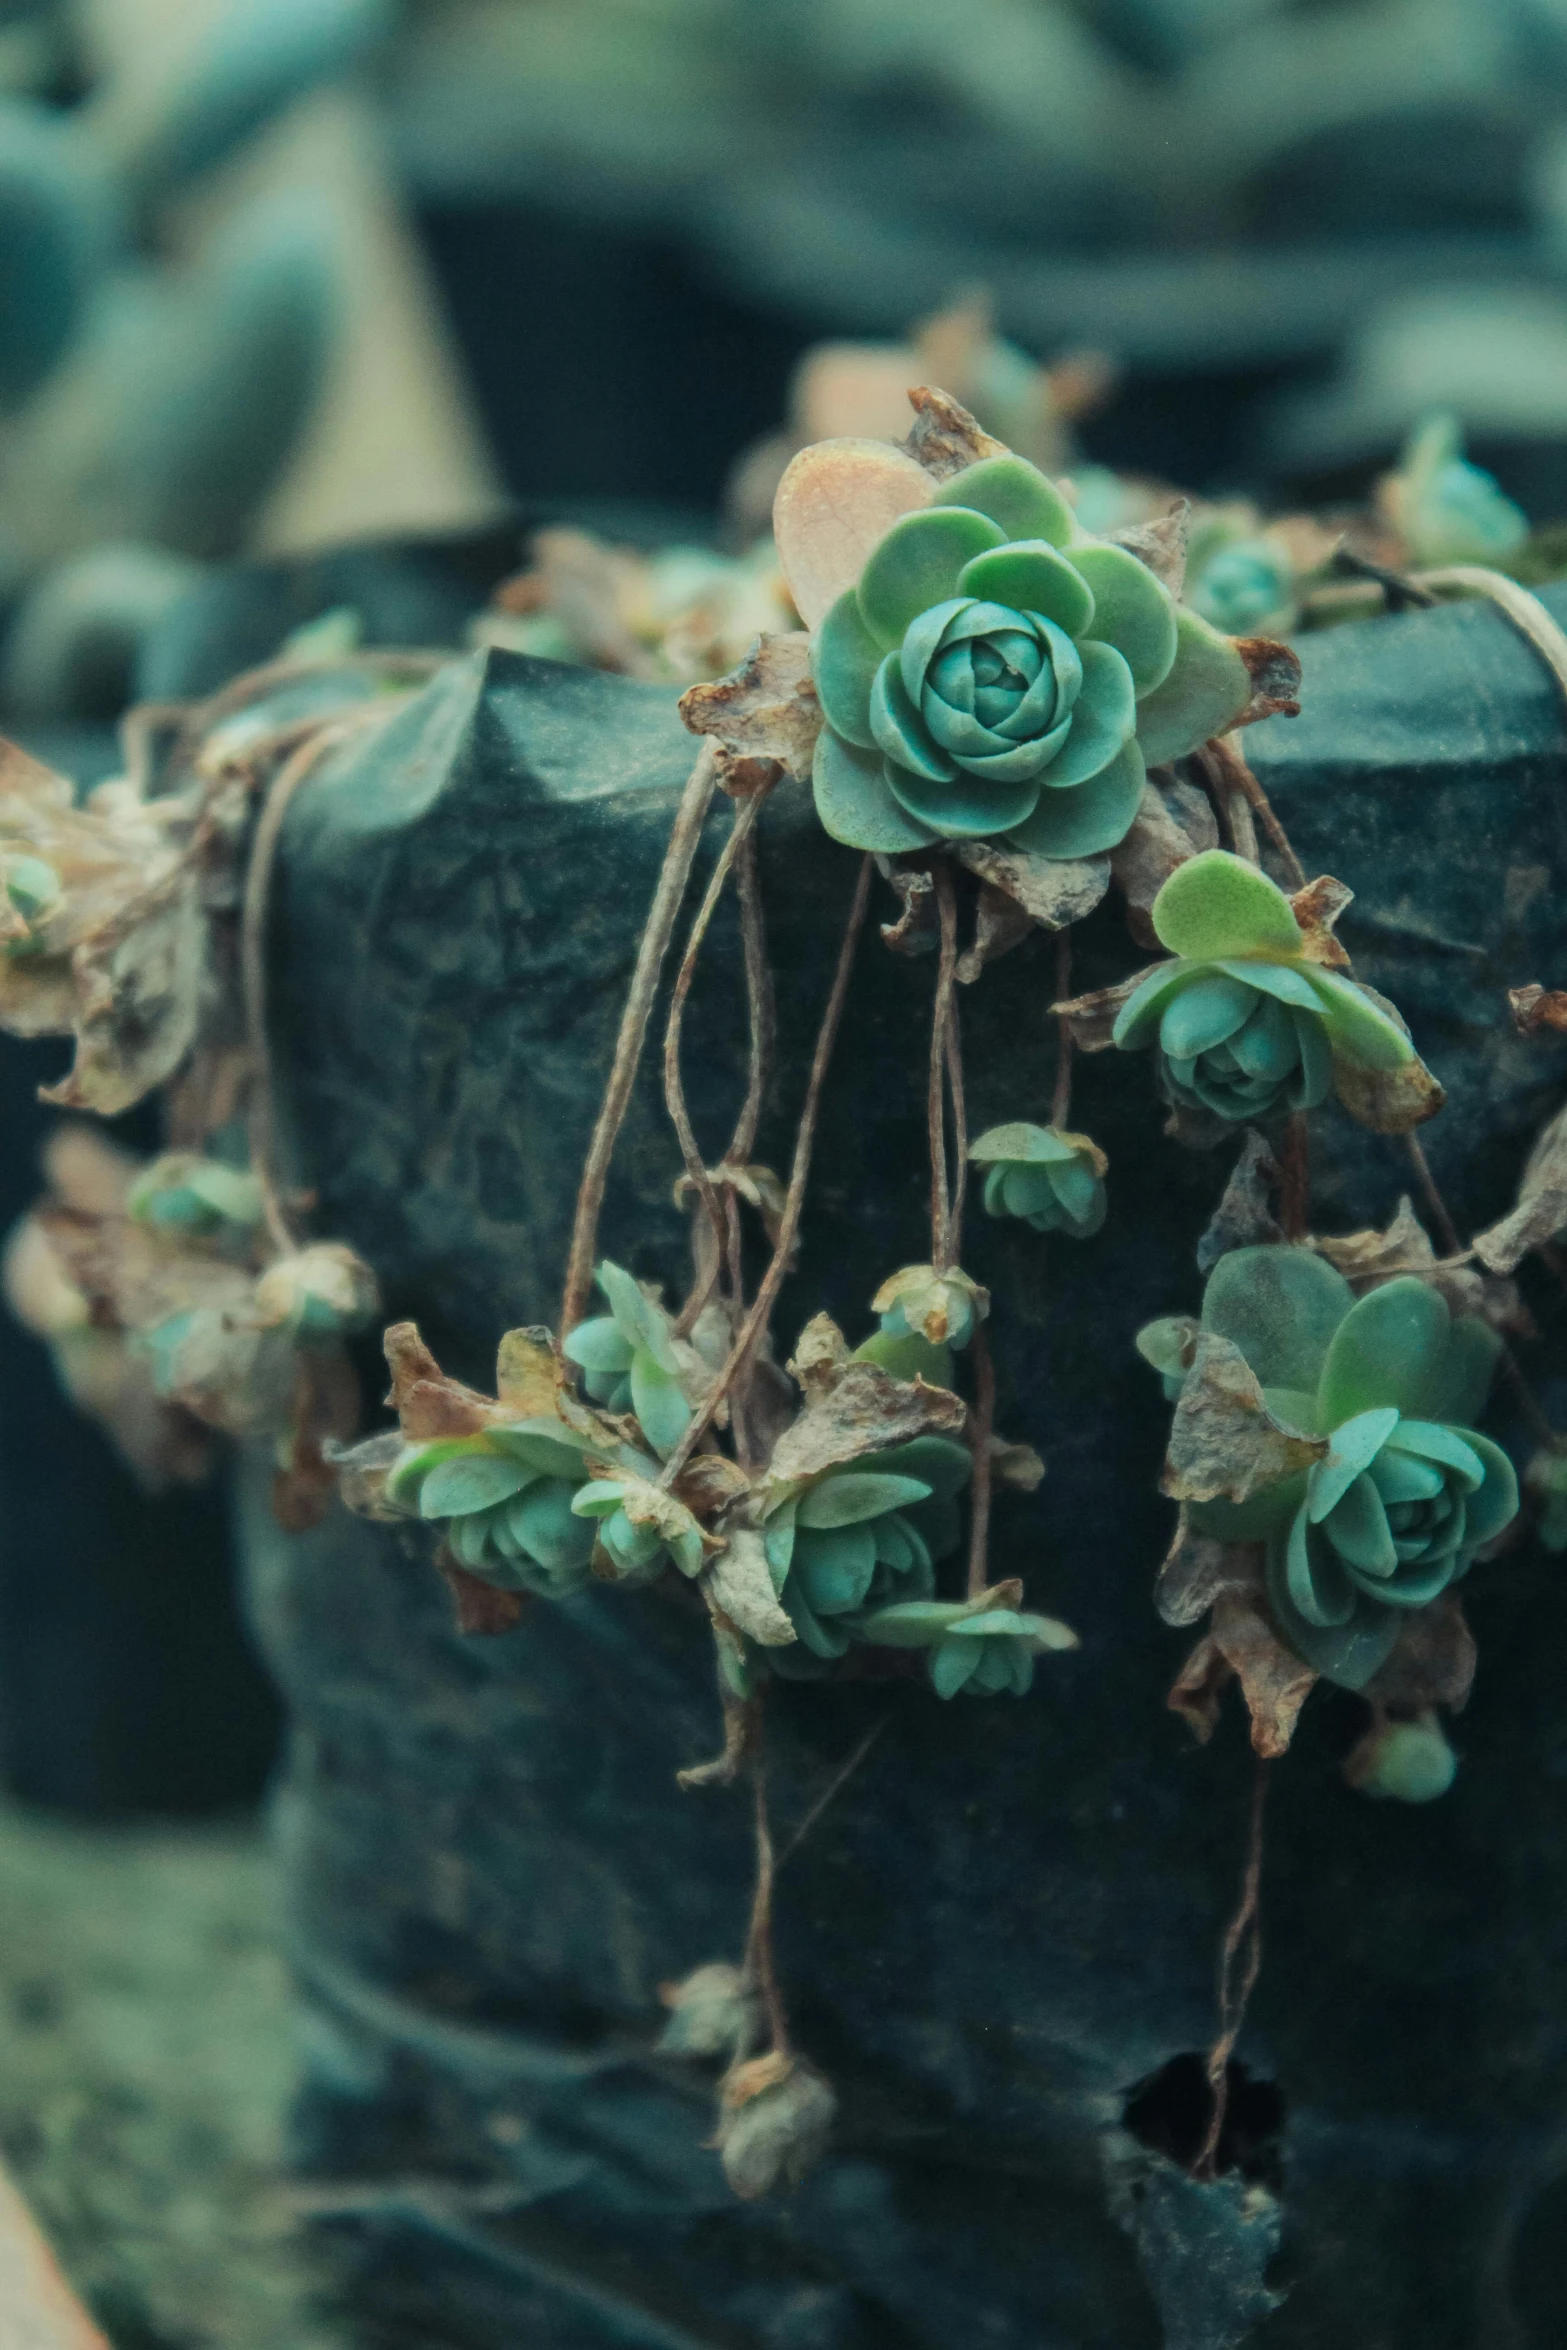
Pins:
<point x="1445" y="509"/>
<point x="631" y="1361"/>
<point x="1166" y="1347"/>
<point x="1403" y="1762"/>
<point x="976" y="1645"/>
<point x="189" y="1197"/>
<point x="504" y="1499"/>
<point x="994" y="672"/>
<point x="1407" y="1491"/>
<point x="319" y="1294"/>
<point x="640" y="1527"/>
<point x="908" y="1356"/>
<point x="940" y="1308"/>
<point x="1051" y="1179"/>
<point x="1244" y="585"/>
<point x="863" y="1534"/>
<point x="1247" y="1023"/>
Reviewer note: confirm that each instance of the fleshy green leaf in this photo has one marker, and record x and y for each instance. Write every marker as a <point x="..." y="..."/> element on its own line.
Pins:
<point x="1104" y="719"/>
<point x="1496" y="1503"/>
<point x="953" y="1664"/>
<point x="1281" y="1307"/>
<point x="857" y="1494"/>
<point x="899" y="730"/>
<point x="601" y="1499"/>
<point x="856" y="805"/>
<point x="1132" y="611"/>
<point x="913" y="1623"/>
<point x="1137" y="1022"/>
<point x="834" y="1566"/>
<point x="1461" y="1382"/>
<point x="1205" y="1015"/>
<point x="1282" y="981"/>
<point x="415" y="1465"/>
<point x="917" y="565"/>
<point x="545" y="1447"/>
<point x="1358" y="1529"/>
<point x="909" y="1357"/>
<point x="1216" y="905"/>
<point x="1205" y="692"/>
<point x="662" y="1411"/>
<point x="1015" y="495"/>
<point x="1029" y="576"/>
<point x="1347" y="1654"/>
<point x="844" y="661"/>
<point x="1030" y="1146"/>
<point x="1384" y="1351"/>
<point x="599" y="1345"/>
<point x="1355" y="1446"/>
<point x="548" y="1528"/>
<point x="1358" y="1028"/>
<point x="1091" y="817"/>
<point x="1429" y="1441"/>
<point x="967" y="809"/>
<point x="470" y="1481"/>
<point x="936" y="1461"/>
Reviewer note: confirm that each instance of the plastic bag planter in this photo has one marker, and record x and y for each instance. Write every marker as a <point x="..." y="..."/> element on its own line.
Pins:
<point x="999" y="1938"/>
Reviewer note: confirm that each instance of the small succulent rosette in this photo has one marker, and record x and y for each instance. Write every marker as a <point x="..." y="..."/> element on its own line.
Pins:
<point x="641" y="1528"/>
<point x="861" y="1535"/>
<point x="939" y="1308"/>
<point x="1043" y="1175"/>
<point x="1444" y="509"/>
<point x="985" y="1647"/>
<point x="986" y="670"/>
<point x="186" y="1197"/>
<point x="502" y="1498"/>
<point x="318" y="1294"/>
<point x="631" y="1360"/>
<point x="1248" y="1022"/>
<point x="1239" y="577"/>
<point x="1404" y="1491"/>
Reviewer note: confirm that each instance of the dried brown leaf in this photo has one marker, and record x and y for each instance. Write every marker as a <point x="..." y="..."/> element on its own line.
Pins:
<point x="1389" y="1101"/>
<point x="1317" y="908"/>
<point x="325" y="1415"/>
<point x="1016" y="1465"/>
<point x="1535" y="1007"/>
<point x="1274" y="1682"/>
<point x="483" y="1609"/>
<point x="1199" y="1688"/>
<point x="1195" y="1570"/>
<point x="529" y="1373"/>
<point x="585" y="583"/>
<point x="1432" y="1662"/>
<point x="1000" y="924"/>
<point x="1093" y="1017"/>
<point x="865" y="1410"/>
<point x="742" y="1585"/>
<point x="821" y="1356"/>
<point x="709" y="1483"/>
<point x="1161" y="544"/>
<point x="917" y="930"/>
<point x="1541" y="1211"/>
<point x="1225" y="1441"/>
<point x="1054" y="892"/>
<point x="764" y="709"/>
<point x="944" y="437"/>
<point x="1243" y="1218"/>
<point x="1274" y="669"/>
<point x="427" y="1403"/>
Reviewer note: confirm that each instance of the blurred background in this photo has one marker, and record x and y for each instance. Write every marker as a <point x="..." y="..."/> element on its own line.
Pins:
<point x="338" y="321"/>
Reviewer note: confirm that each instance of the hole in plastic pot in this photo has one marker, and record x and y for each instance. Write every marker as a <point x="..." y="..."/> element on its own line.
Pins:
<point x="1168" y="2113"/>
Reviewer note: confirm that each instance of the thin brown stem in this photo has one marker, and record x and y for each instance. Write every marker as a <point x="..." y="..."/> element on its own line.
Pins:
<point x="829" y="1794"/>
<point x="674" y="1089"/>
<point x="760" y="1963"/>
<point x="935" y="1090"/>
<point x="959" y="1129"/>
<point x="1243" y="1934"/>
<point x="981" y="1424"/>
<point x="1432" y="1197"/>
<point x="673" y="875"/>
<point x="760" y="1002"/>
<point x="799" y="1174"/>
<point x="254" y="914"/>
<point x="1295" y="1177"/>
<point x="1241" y="779"/>
<point x="1061" y="1099"/>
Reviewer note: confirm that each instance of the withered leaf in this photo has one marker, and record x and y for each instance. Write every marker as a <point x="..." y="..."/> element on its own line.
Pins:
<point x="1541" y="1211"/>
<point x="1146" y="858"/>
<point x="1016" y="1465"/>
<point x="1274" y="1682"/>
<point x="764" y="709"/>
<point x="1389" y="1101"/>
<point x="944" y="437"/>
<point x="1274" y="670"/>
<point x="427" y="1403"/>
<point x="1161" y="544"/>
<point x="138" y="980"/>
<point x="1092" y="1018"/>
<point x="326" y="1412"/>
<point x="1000" y="924"/>
<point x="1317" y="908"/>
<point x="1243" y="1218"/>
<point x="1194" y="1571"/>
<point x="917" y="930"/>
<point x="1535" y="1007"/>
<point x="742" y="1584"/>
<point x="1054" y="892"/>
<point x="1199" y="1687"/>
<point x="865" y="1410"/>
<point x="821" y="1355"/>
<point x="836" y="502"/>
<point x="483" y="1609"/>
<point x="529" y="1373"/>
<point x="1225" y="1442"/>
<point x="709" y="1483"/>
<point x="361" y="1471"/>
<point x="1367" y="1259"/>
<point x="1432" y="1662"/>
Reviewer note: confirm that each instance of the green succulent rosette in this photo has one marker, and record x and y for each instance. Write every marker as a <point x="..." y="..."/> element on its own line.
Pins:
<point x="1048" y="1178"/>
<point x="975" y="1647"/>
<point x="631" y="1361"/>
<point x="994" y="673"/>
<point x="938" y="1309"/>
<point x="503" y="1499"/>
<point x="1247" y="1024"/>
<point x="862" y="1535"/>
<point x="1408" y="1490"/>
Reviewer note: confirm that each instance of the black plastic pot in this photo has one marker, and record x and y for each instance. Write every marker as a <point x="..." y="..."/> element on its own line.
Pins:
<point x="1003" y="1930"/>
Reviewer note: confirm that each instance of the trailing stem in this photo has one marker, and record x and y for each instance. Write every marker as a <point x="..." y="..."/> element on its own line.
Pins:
<point x="760" y="1964"/>
<point x="757" y="1319"/>
<point x="981" y="1424"/>
<point x="1243" y="1942"/>
<point x="1238" y="777"/>
<point x="943" y="1013"/>
<point x="1061" y="1099"/>
<point x="673" y="875"/>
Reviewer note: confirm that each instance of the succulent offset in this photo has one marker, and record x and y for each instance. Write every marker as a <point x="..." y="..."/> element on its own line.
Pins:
<point x="1445" y="509"/>
<point x="1407" y="1490"/>
<point x="503" y="1497"/>
<point x="631" y="1361"/>
<point x="979" y="1647"/>
<point x="939" y="1308"/>
<point x="862" y="1535"/>
<point x="1050" y="1179"/>
<point x="996" y="673"/>
<point x="1248" y="1024"/>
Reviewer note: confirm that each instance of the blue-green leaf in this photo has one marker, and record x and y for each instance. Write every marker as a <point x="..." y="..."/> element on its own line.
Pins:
<point x="917" y="564"/>
<point x="856" y="805"/>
